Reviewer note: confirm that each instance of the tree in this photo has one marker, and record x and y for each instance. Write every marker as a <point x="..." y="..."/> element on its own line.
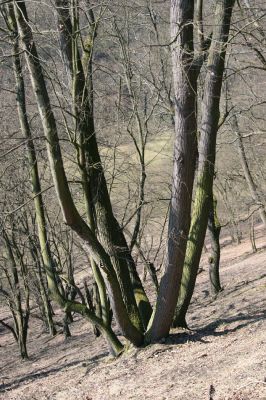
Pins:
<point x="241" y="185"/>
<point x="210" y="115"/>
<point x="99" y="230"/>
<point x="15" y="273"/>
<point x="185" y="149"/>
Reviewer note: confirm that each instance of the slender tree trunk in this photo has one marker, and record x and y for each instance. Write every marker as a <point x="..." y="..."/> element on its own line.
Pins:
<point x="214" y="229"/>
<point x="20" y="317"/>
<point x="35" y="181"/>
<point x="10" y="328"/>
<point x="45" y="306"/>
<point x="48" y="312"/>
<point x="66" y="329"/>
<point x="235" y="233"/>
<point x="252" y="235"/>
<point x="97" y="306"/>
<point x="48" y="315"/>
<point x="247" y="173"/>
<point x="91" y="298"/>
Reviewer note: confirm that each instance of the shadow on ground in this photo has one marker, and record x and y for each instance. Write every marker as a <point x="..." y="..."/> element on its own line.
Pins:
<point x="44" y="373"/>
<point x="211" y="329"/>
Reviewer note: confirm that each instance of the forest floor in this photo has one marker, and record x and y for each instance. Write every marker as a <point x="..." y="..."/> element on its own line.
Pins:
<point x="223" y="356"/>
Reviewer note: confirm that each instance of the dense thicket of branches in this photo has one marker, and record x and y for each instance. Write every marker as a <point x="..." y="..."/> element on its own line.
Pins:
<point x="90" y="93"/>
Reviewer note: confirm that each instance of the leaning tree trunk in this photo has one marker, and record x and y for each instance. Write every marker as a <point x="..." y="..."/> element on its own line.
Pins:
<point x="207" y="150"/>
<point x="69" y="210"/>
<point x="109" y="232"/>
<point x="72" y="64"/>
<point x="34" y="173"/>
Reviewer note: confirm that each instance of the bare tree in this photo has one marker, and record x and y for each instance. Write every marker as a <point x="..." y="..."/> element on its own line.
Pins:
<point x="17" y="296"/>
<point x="95" y="222"/>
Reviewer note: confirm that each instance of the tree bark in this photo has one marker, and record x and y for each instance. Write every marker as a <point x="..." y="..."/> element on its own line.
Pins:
<point x="20" y="316"/>
<point x="214" y="229"/>
<point x="185" y="150"/>
<point x="69" y="210"/>
<point x="99" y="207"/>
<point x="207" y="150"/>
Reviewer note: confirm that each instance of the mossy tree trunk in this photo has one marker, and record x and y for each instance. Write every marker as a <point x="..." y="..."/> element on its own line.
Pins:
<point x="71" y="215"/>
<point x="36" y="186"/>
<point x="207" y="149"/>
<point x="98" y="205"/>
<point x="34" y="173"/>
<point x="102" y="236"/>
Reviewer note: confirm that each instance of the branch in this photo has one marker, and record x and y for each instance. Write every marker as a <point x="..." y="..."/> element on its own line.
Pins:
<point x="12" y="330"/>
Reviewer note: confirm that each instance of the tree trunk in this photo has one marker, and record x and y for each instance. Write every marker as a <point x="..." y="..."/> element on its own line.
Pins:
<point x="247" y="173"/>
<point x="207" y="150"/>
<point x="20" y="317"/>
<point x="108" y="230"/>
<point x="35" y="181"/>
<point x="214" y="229"/>
<point x="185" y="149"/>
<point x="48" y="311"/>
<point x="22" y="326"/>
<point x="69" y="210"/>
<point x="97" y="306"/>
<point x="234" y="230"/>
<point x="66" y="329"/>
<point x="45" y="306"/>
<point x="252" y="235"/>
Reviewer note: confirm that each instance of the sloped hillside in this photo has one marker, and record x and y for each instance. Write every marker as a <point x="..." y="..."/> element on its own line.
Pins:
<point x="221" y="357"/>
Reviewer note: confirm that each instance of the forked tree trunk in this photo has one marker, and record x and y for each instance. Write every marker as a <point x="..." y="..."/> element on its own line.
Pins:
<point x="207" y="150"/>
<point x="72" y="64"/>
<point x="69" y="210"/>
<point x="95" y="189"/>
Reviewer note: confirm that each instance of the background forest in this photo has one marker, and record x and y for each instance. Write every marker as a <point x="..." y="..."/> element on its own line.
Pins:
<point x="132" y="163"/>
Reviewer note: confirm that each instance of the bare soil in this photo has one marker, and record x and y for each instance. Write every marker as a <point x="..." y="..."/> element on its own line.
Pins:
<point x="223" y="356"/>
